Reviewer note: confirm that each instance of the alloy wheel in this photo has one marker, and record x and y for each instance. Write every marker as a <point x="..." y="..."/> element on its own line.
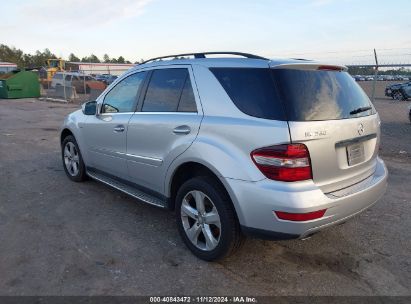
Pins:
<point x="71" y="159"/>
<point x="201" y="221"/>
<point x="398" y="96"/>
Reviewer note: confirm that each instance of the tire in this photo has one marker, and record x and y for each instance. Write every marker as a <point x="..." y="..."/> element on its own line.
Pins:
<point x="398" y="96"/>
<point x="72" y="160"/>
<point x="220" y="241"/>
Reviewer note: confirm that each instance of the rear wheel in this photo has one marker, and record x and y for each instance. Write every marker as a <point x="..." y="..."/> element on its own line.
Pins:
<point x="206" y="219"/>
<point x="72" y="160"/>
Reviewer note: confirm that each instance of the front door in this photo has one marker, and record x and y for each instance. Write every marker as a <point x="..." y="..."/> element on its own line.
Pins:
<point x="407" y="90"/>
<point x="105" y="133"/>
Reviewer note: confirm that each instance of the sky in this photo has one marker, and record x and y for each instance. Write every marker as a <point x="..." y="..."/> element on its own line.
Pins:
<point x="333" y="30"/>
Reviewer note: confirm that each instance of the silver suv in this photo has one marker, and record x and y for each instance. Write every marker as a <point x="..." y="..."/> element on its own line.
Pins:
<point x="278" y="149"/>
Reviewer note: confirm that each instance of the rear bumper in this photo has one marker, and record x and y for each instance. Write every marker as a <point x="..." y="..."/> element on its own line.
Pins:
<point x="256" y="201"/>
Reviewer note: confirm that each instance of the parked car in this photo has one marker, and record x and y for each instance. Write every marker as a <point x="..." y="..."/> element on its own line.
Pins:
<point x="110" y="79"/>
<point x="83" y="83"/>
<point x="399" y="91"/>
<point x="106" y="78"/>
<point x="359" y="78"/>
<point x="62" y="78"/>
<point x="101" y="77"/>
<point x="278" y="149"/>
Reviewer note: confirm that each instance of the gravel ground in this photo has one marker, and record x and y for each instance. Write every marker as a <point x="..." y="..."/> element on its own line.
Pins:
<point x="63" y="238"/>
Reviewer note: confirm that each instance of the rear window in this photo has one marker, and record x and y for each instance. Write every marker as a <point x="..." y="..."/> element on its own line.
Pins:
<point x="295" y="95"/>
<point x="321" y="95"/>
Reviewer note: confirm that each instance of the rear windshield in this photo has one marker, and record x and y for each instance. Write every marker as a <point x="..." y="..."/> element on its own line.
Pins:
<point x="303" y="95"/>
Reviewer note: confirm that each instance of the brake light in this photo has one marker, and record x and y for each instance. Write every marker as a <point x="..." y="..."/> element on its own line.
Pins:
<point x="287" y="163"/>
<point x="300" y="217"/>
<point x="329" y="68"/>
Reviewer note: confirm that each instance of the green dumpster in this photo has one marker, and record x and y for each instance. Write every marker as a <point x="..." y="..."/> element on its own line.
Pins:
<point x="19" y="84"/>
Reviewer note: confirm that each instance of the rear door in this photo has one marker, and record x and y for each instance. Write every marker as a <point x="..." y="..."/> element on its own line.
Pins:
<point x="333" y="117"/>
<point x="165" y="125"/>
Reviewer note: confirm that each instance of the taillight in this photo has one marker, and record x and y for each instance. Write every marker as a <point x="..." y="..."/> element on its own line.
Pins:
<point x="287" y="163"/>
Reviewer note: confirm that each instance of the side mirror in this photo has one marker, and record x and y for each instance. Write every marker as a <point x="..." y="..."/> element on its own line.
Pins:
<point x="89" y="108"/>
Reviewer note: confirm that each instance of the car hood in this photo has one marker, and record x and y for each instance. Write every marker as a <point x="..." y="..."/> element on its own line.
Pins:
<point x="395" y="86"/>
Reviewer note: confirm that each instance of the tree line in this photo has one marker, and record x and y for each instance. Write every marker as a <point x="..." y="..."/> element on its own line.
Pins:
<point x="38" y="59"/>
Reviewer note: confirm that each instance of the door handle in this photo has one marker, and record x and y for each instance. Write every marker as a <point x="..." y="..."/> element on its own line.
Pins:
<point x="119" y="128"/>
<point x="182" y="130"/>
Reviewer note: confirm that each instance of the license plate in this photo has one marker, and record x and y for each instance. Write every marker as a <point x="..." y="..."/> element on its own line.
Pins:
<point x="355" y="154"/>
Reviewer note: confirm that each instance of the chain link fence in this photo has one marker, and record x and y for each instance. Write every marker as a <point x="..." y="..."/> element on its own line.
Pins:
<point x="77" y="86"/>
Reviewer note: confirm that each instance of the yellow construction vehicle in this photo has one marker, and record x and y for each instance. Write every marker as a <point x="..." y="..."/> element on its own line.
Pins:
<point x="52" y="67"/>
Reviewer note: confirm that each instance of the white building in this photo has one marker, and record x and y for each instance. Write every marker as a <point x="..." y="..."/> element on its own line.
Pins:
<point x="99" y="68"/>
<point x="6" y="67"/>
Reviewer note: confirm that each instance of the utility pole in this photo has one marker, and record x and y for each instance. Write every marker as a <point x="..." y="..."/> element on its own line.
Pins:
<point x="375" y="76"/>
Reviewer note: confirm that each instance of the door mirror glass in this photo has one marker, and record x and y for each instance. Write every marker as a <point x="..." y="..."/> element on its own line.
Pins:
<point x="89" y="108"/>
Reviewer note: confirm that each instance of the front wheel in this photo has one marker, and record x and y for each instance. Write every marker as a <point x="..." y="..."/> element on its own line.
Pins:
<point x="72" y="160"/>
<point x="206" y="219"/>
<point x="398" y="96"/>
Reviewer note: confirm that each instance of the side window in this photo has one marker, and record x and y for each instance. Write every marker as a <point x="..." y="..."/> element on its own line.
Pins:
<point x="166" y="89"/>
<point x="187" y="101"/>
<point x="123" y="96"/>
<point x="68" y="77"/>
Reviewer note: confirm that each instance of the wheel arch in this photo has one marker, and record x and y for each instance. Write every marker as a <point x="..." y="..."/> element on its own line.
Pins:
<point x="191" y="169"/>
<point x="64" y="133"/>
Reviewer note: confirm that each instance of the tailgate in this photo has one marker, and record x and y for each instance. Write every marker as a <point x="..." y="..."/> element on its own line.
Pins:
<point x="329" y="113"/>
<point x="342" y="152"/>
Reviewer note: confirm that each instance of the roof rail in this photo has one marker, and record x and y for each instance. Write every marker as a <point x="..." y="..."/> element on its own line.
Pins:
<point x="203" y="55"/>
